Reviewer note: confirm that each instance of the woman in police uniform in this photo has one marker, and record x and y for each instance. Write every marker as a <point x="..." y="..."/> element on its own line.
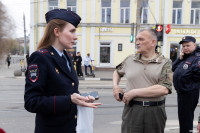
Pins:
<point x="51" y="89"/>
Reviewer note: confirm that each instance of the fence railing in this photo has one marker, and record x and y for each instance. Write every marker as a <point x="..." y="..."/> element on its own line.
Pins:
<point x="14" y="59"/>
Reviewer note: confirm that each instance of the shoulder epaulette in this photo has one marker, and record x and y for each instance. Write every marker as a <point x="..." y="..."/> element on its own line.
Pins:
<point x="42" y="51"/>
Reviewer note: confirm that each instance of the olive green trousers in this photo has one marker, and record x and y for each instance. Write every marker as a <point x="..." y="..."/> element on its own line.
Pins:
<point x="139" y="119"/>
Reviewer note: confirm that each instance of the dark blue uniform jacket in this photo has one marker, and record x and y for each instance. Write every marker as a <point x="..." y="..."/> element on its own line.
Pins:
<point x="49" y="84"/>
<point x="186" y="76"/>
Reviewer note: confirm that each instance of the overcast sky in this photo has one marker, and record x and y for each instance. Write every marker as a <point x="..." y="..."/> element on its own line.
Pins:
<point x="15" y="9"/>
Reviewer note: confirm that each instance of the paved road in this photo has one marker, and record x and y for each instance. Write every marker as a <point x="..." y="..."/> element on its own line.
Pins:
<point x="14" y="119"/>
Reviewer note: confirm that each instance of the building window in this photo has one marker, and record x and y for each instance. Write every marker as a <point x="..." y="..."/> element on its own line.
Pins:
<point x="125" y="11"/>
<point x="177" y="12"/>
<point x="144" y="16"/>
<point x="106" y="11"/>
<point x="71" y="5"/>
<point x="53" y="4"/>
<point x="195" y="13"/>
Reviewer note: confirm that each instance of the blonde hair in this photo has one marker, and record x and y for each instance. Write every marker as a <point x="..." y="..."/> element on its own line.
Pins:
<point x="49" y="36"/>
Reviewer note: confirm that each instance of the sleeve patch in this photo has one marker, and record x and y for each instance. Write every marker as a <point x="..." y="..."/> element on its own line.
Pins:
<point x="33" y="72"/>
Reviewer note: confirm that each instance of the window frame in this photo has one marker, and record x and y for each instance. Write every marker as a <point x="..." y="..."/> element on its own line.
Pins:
<point x="142" y="17"/>
<point x="72" y="7"/>
<point x="124" y="15"/>
<point x="123" y="20"/>
<point x="194" y="15"/>
<point x="105" y="15"/>
<point x="176" y="15"/>
<point x="53" y="7"/>
<point x="176" y="12"/>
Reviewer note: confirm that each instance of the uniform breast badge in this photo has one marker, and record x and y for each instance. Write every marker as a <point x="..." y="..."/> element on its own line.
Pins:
<point x="52" y="53"/>
<point x="57" y="71"/>
<point x="185" y="66"/>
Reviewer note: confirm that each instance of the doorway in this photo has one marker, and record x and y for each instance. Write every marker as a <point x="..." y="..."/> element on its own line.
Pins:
<point x="105" y="51"/>
<point x="174" y="51"/>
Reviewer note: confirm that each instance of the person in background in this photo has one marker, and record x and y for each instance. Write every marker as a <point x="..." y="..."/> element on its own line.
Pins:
<point x="87" y="64"/>
<point x="186" y="79"/>
<point x="148" y="76"/>
<point x="8" y="60"/>
<point x="72" y="58"/>
<point x="78" y="60"/>
<point x="198" y="126"/>
<point x="51" y="88"/>
<point x="27" y="58"/>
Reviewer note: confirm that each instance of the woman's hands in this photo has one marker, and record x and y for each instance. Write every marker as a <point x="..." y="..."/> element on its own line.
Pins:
<point x="84" y="101"/>
<point x="198" y="127"/>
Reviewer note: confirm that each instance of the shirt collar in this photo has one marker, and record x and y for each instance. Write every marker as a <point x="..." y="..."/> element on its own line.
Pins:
<point x="60" y="53"/>
<point x="157" y="59"/>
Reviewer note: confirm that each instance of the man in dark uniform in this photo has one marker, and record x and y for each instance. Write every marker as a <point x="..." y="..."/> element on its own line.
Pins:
<point x="78" y="60"/>
<point x="186" y="81"/>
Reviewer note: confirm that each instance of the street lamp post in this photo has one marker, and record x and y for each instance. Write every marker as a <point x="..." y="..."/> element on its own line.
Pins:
<point x="24" y="36"/>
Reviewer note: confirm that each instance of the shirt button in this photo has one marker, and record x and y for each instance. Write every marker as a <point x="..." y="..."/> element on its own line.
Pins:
<point x="73" y="84"/>
<point x="52" y="53"/>
<point x="75" y="116"/>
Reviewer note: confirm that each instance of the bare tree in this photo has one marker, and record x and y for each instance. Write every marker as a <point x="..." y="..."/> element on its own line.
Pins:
<point x="5" y="27"/>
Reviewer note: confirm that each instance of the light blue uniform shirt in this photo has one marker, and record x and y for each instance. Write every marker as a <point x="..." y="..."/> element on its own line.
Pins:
<point x="62" y="54"/>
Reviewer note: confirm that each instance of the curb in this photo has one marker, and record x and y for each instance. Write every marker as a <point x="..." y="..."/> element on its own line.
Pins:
<point x="16" y="77"/>
<point x="103" y="79"/>
<point x="91" y="79"/>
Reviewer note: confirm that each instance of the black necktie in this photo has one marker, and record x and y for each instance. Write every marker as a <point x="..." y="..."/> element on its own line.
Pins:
<point x="67" y="62"/>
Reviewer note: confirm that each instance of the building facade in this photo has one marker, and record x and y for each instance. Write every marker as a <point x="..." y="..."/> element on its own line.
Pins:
<point x="105" y="27"/>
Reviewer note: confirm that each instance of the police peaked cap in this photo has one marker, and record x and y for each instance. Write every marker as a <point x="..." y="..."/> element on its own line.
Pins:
<point x="63" y="14"/>
<point x="187" y="39"/>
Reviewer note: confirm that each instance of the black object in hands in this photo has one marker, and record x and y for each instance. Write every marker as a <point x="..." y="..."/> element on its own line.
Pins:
<point x="121" y="96"/>
<point x="95" y="94"/>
